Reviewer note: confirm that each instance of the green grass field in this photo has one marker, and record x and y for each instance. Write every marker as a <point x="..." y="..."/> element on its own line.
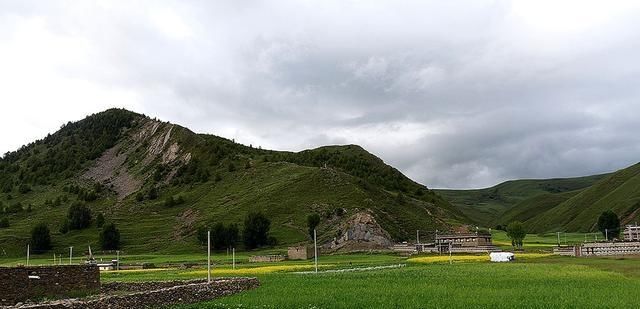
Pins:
<point x="536" y="280"/>
<point x="533" y="281"/>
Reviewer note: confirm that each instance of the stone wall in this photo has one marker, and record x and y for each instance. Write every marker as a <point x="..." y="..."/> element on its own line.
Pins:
<point x="18" y="284"/>
<point x="300" y="253"/>
<point x="160" y="294"/>
<point x="266" y="258"/>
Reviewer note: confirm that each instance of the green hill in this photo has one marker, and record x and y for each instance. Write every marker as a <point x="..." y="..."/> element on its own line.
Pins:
<point x="158" y="182"/>
<point x="619" y="192"/>
<point x="487" y="206"/>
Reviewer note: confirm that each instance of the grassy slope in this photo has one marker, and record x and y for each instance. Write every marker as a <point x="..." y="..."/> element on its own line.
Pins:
<point x="486" y="206"/>
<point x="619" y="192"/>
<point x="263" y="180"/>
<point x="533" y="206"/>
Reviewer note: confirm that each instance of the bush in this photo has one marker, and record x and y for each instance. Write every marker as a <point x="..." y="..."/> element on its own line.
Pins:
<point x="110" y="237"/>
<point x="223" y="236"/>
<point x="24" y="188"/>
<point x="312" y="222"/>
<point x="4" y="222"/>
<point x="153" y="193"/>
<point x="517" y="233"/>
<point x="79" y="216"/>
<point x="256" y="230"/>
<point x="100" y="220"/>
<point x="609" y="224"/>
<point x="40" y="238"/>
<point x="173" y="201"/>
<point x="64" y="228"/>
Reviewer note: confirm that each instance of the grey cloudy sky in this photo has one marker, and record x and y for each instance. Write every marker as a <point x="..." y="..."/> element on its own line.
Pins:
<point x="455" y="94"/>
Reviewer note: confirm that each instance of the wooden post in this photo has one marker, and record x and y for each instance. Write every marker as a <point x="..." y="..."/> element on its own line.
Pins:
<point x="208" y="256"/>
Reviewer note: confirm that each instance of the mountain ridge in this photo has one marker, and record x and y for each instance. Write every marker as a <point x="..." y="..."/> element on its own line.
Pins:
<point x="126" y="166"/>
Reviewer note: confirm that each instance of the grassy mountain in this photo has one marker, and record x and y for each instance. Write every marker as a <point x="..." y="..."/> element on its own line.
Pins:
<point x="488" y="206"/>
<point x="619" y="192"/>
<point x="159" y="182"/>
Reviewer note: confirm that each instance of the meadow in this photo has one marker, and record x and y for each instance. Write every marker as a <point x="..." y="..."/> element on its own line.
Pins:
<point x="537" y="279"/>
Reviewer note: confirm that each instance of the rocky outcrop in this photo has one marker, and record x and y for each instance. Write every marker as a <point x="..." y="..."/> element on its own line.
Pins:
<point x="154" y="139"/>
<point x="360" y="232"/>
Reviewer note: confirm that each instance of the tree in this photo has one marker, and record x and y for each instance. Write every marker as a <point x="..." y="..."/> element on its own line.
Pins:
<point x="202" y="233"/>
<point x="110" y="237"/>
<point x="219" y="236"/>
<point x="4" y="222"/>
<point x="40" y="238"/>
<point x="256" y="230"/>
<point x="233" y="235"/>
<point x="79" y="216"/>
<point x="609" y="224"/>
<point x="517" y="233"/>
<point x="312" y="222"/>
<point x="100" y="220"/>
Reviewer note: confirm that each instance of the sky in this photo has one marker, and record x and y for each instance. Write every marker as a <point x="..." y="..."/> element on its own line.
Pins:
<point x="455" y="94"/>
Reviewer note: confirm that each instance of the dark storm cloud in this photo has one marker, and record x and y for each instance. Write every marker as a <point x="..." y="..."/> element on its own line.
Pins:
<point x="453" y="94"/>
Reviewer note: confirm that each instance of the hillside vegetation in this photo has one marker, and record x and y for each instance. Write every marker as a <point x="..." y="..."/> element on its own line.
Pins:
<point x="568" y="205"/>
<point x="488" y="206"/>
<point x="619" y="192"/>
<point x="158" y="182"/>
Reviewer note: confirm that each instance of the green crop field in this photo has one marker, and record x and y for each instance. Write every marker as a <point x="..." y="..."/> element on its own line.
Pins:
<point x="533" y="281"/>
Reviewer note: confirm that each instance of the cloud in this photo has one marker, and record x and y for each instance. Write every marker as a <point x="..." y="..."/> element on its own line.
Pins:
<point x="455" y="94"/>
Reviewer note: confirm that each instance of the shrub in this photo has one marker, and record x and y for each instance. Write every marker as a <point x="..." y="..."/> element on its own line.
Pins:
<point x="517" y="233"/>
<point x="312" y="222"/>
<point x="609" y="224"/>
<point x="110" y="237"/>
<point x="153" y="193"/>
<point x="4" y="222"/>
<point x="256" y="230"/>
<point x="24" y="188"/>
<point x="99" y="220"/>
<point x="64" y="228"/>
<point x="40" y="238"/>
<point x="79" y="216"/>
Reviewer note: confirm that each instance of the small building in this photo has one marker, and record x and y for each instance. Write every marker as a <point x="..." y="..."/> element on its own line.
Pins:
<point x="631" y="233"/>
<point x="502" y="256"/>
<point x="108" y="266"/>
<point x="300" y="253"/>
<point x="469" y="242"/>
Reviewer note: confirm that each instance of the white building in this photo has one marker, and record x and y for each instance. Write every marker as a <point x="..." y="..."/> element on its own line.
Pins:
<point x="632" y="233"/>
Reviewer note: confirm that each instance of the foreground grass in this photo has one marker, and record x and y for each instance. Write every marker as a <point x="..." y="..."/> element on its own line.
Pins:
<point x="461" y="285"/>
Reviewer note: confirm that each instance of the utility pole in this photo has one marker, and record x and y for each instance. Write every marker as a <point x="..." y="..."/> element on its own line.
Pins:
<point x="315" y="248"/>
<point x="450" y="261"/>
<point x="27" y="254"/>
<point x="70" y="255"/>
<point x="233" y="252"/>
<point x="558" y="238"/>
<point x="417" y="236"/>
<point x="606" y="234"/>
<point x="208" y="256"/>
<point x="118" y="260"/>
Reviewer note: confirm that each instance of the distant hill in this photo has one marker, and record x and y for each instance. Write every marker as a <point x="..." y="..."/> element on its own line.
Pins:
<point x="159" y="182"/>
<point x="488" y="206"/>
<point x="619" y="192"/>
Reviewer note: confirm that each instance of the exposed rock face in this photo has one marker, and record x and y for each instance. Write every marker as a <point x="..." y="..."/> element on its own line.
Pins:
<point x="109" y="170"/>
<point x="154" y="138"/>
<point x="361" y="232"/>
